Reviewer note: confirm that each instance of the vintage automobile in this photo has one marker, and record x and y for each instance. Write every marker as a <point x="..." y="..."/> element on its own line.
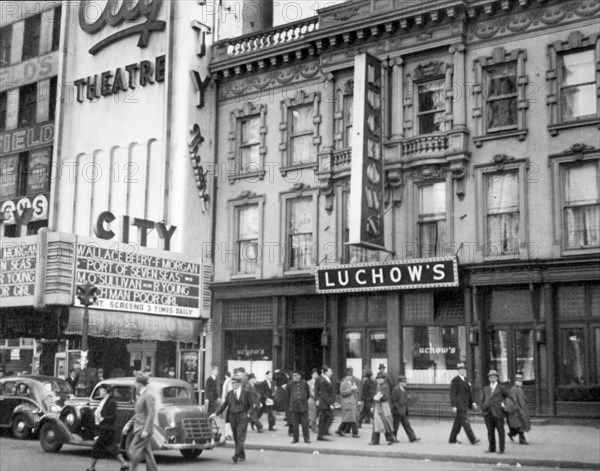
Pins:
<point x="179" y="423"/>
<point x="25" y="399"/>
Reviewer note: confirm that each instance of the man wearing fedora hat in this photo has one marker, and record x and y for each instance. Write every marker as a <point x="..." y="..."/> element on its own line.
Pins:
<point x="492" y="406"/>
<point x="518" y="411"/>
<point x="399" y="403"/>
<point x="461" y="399"/>
<point x="238" y="403"/>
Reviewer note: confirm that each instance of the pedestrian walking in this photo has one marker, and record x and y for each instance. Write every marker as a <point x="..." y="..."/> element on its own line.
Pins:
<point x="298" y="393"/>
<point x="312" y="407"/>
<point x="238" y="404"/>
<point x="368" y="389"/>
<point x="518" y="411"/>
<point x="399" y="403"/>
<point x="211" y="389"/>
<point x="227" y="433"/>
<point x="493" y="407"/>
<point x="382" y="413"/>
<point x="252" y="388"/>
<point x="461" y="399"/>
<point x="349" y="393"/>
<point x="267" y="399"/>
<point x="143" y="426"/>
<point x="105" y="417"/>
<point x="325" y="402"/>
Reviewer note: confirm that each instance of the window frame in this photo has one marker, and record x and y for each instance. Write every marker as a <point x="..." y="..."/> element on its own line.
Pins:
<point x="245" y="200"/>
<point x="343" y="113"/>
<point x="562" y="87"/>
<point x="28" y="104"/>
<point x="3" y="110"/>
<point x="505" y="164"/>
<point x="576" y="42"/>
<point x="239" y="240"/>
<point x="56" y="27"/>
<point x="285" y="200"/>
<point x="32" y="50"/>
<point x="558" y="163"/>
<point x="6" y="45"/>
<point x="419" y="84"/>
<point x="237" y="117"/>
<point x="420" y="221"/>
<point x="482" y="66"/>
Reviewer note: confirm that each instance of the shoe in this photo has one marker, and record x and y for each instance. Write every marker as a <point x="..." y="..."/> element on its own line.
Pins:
<point x="510" y="435"/>
<point x="501" y="452"/>
<point x="294" y="441"/>
<point x="371" y="443"/>
<point x="341" y="434"/>
<point x="242" y="459"/>
<point x="455" y="443"/>
<point x="271" y="429"/>
<point x="234" y="458"/>
<point x="323" y="439"/>
<point x="476" y="441"/>
<point x="359" y="426"/>
<point x="415" y="440"/>
<point x="490" y="451"/>
<point x="355" y="435"/>
<point x="523" y="442"/>
<point x="395" y="440"/>
<point x="307" y="441"/>
<point x="124" y="468"/>
<point x="390" y="443"/>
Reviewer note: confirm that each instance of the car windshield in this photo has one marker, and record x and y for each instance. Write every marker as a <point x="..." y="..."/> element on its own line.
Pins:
<point x="177" y="395"/>
<point x="57" y="387"/>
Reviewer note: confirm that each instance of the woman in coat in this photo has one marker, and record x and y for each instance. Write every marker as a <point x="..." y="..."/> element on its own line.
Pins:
<point x="105" y="418"/>
<point x="518" y="411"/>
<point x="382" y="413"/>
<point x="349" y="393"/>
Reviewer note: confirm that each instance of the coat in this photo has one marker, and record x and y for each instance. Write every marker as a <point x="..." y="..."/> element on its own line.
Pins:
<point x="298" y="393"/>
<point x="491" y="404"/>
<point x="399" y="401"/>
<point x="109" y="415"/>
<point x="349" y="401"/>
<point x="145" y="408"/>
<point x="211" y="389"/>
<point x="235" y="405"/>
<point x="382" y="415"/>
<point x="461" y="394"/>
<point x="368" y="389"/>
<point x="518" y="410"/>
<point x="324" y="391"/>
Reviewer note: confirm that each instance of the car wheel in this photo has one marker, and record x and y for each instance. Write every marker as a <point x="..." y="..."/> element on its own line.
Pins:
<point x="20" y="427"/>
<point x="71" y="417"/>
<point x="191" y="454"/>
<point x="49" y="438"/>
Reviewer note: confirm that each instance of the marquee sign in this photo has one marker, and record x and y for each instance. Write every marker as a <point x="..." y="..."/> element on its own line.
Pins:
<point x="413" y="274"/>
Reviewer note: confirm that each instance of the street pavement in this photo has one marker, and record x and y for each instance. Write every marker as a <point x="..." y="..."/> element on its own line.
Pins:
<point x="550" y="446"/>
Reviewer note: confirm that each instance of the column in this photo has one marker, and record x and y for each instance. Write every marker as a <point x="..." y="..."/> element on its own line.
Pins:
<point x="327" y="113"/>
<point x="397" y="108"/>
<point x="459" y="102"/>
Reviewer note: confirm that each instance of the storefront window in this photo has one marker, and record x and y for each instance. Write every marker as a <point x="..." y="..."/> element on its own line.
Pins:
<point x="378" y="345"/>
<point x="431" y="353"/>
<point x="354" y="354"/>
<point x="499" y="354"/>
<point x="250" y="349"/>
<point x="572" y="360"/>
<point x="189" y="367"/>
<point x="524" y="339"/>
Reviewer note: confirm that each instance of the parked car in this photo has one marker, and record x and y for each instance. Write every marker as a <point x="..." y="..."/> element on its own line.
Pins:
<point x="179" y="423"/>
<point x="25" y="399"/>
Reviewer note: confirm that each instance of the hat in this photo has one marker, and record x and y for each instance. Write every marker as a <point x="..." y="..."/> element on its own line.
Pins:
<point x="461" y="365"/>
<point x="381" y="366"/>
<point x="142" y="378"/>
<point x="251" y="376"/>
<point x="107" y="387"/>
<point x="381" y="375"/>
<point x="518" y="377"/>
<point x="236" y="378"/>
<point x="349" y="371"/>
<point x="368" y="372"/>
<point x="402" y="378"/>
<point x="314" y="370"/>
<point x="493" y="373"/>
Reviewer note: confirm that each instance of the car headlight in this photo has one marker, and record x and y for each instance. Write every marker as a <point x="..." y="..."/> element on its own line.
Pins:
<point x="70" y="418"/>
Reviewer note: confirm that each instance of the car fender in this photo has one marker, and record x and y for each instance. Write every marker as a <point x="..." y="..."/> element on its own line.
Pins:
<point x="29" y="411"/>
<point x="65" y="435"/>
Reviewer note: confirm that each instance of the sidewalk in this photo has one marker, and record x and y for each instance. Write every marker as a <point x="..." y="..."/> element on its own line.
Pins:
<point x="556" y="446"/>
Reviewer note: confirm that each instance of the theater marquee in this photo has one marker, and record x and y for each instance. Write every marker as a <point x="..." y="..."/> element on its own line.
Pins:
<point x="413" y="274"/>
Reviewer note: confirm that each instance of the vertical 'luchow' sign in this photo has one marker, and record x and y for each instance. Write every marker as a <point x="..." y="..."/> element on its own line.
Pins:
<point x="366" y="182"/>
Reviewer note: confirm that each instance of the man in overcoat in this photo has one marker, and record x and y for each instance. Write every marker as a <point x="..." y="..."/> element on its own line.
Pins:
<point x="238" y="403"/>
<point x="298" y="393"/>
<point x="517" y="408"/>
<point x="399" y="403"/>
<point x="492" y="406"/>
<point x="267" y="398"/>
<point x="368" y="389"/>
<point x="461" y="399"/>
<point x="211" y="389"/>
<point x="349" y="393"/>
<point x="325" y="402"/>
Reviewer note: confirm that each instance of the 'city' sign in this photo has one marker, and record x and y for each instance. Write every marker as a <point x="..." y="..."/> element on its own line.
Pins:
<point x="117" y="12"/>
<point x="422" y="273"/>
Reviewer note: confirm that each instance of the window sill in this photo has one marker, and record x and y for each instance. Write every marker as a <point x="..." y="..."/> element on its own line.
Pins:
<point x="243" y="277"/>
<point x="292" y="272"/>
<point x="250" y="176"/>
<point x="578" y="252"/>
<point x="295" y="167"/>
<point x="555" y="128"/>
<point x="493" y="257"/>
<point x="521" y="134"/>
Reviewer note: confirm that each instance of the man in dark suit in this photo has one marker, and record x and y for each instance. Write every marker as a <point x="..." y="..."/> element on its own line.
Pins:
<point x="298" y="393"/>
<point x="399" y="403"/>
<point x="368" y="390"/>
<point x="461" y="399"/>
<point x="492" y="406"/>
<point x="238" y="403"/>
<point x="211" y="389"/>
<point x="267" y="398"/>
<point x="325" y="402"/>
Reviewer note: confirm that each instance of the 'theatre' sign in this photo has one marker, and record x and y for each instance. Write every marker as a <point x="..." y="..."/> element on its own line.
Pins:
<point x="425" y="273"/>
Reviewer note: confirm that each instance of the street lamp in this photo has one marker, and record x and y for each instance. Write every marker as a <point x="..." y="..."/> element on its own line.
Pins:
<point x="87" y="296"/>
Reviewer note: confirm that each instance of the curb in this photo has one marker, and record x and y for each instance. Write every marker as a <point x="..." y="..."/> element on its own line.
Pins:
<point x="548" y="463"/>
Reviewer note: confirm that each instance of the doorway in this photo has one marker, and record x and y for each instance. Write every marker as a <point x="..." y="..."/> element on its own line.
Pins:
<point x="306" y="351"/>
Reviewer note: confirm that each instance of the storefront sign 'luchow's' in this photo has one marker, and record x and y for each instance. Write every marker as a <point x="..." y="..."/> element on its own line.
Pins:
<point x="425" y="273"/>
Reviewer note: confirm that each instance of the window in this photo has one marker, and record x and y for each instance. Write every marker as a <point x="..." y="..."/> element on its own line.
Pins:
<point x="56" y="28"/>
<point x="502" y="212"/>
<point x="581" y="205"/>
<point x="348" y="119"/>
<point x="431" y="107"/>
<point x="247" y="240"/>
<point x="31" y="41"/>
<point x="52" y="92"/>
<point x="343" y="116"/>
<point x="378" y="349"/>
<point x="501" y="99"/>
<point x="299" y="247"/>
<point x="354" y="351"/>
<point x="432" y="219"/>
<point x="27" y="104"/>
<point x="302" y="149"/>
<point x="578" y="85"/>
<point x="27" y="173"/>
<point x="5" y="45"/>
<point x="3" y="109"/>
<point x="247" y="141"/>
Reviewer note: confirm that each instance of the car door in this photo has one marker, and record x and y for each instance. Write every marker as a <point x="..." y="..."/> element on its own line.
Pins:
<point x="7" y="402"/>
<point x="125" y="397"/>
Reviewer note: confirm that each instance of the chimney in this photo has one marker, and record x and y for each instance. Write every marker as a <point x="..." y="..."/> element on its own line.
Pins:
<point x="257" y="15"/>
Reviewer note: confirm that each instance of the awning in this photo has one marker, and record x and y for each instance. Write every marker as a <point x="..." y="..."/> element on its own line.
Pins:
<point x="126" y="325"/>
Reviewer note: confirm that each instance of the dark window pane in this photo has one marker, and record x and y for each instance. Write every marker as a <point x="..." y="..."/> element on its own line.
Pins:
<point x="5" y="45"/>
<point x="27" y="104"/>
<point x="56" y="28"/>
<point x="31" y="41"/>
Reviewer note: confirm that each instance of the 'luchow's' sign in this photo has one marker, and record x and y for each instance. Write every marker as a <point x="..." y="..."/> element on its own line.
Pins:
<point x="426" y="273"/>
